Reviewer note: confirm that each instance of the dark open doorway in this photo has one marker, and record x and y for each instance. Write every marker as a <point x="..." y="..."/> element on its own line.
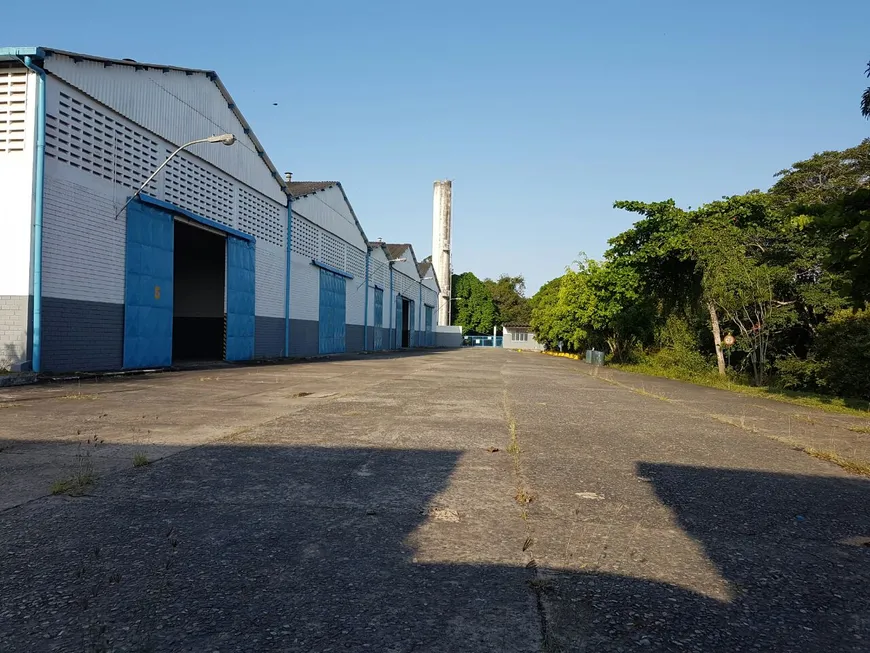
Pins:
<point x="406" y="323"/>
<point x="198" y="305"/>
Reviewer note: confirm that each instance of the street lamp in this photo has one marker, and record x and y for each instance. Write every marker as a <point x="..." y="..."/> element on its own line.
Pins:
<point x="223" y="139"/>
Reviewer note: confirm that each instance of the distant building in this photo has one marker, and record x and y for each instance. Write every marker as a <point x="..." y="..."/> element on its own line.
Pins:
<point x="520" y="336"/>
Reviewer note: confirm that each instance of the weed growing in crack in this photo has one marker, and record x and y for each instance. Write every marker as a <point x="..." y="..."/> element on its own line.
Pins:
<point x="140" y="459"/>
<point x="83" y="476"/>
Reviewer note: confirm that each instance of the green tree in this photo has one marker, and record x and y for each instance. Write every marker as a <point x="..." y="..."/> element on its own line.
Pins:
<point x="843" y="348"/>
<point x="473" y="307"/>
<point x="823" y="178"/>
<point x="730" y="240"/>
<point x="508" y="293"/>
<point x="543" y="308"/>
<point x="658" y="247"/>
<point x="865" y="99"/>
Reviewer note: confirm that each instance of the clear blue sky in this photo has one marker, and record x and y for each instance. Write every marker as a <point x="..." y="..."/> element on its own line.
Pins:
<point x="543" y="113"/>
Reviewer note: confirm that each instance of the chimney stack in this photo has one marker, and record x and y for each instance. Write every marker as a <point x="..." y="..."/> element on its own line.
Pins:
<point x="442" y="222"/>
<point x="288" y="177"/>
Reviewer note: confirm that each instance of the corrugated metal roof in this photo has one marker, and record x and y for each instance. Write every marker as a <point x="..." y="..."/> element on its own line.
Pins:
<point x="397" y="249"/>
<point x="298" y="189"/>
<point x="301" y="188"/>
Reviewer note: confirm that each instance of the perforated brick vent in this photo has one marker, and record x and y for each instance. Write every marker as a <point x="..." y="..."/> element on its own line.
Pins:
<point x="306" y="239"/>
<point x="192" y="187"/>
<point x="86" y="138"/>
<point x="332" y="250"/>
<point x="356" y="262"/>
<point x="13" y="105"/>
<point x="404" y="284"/>
<point x="378" y="273"/>
<point x="260" y="218"/>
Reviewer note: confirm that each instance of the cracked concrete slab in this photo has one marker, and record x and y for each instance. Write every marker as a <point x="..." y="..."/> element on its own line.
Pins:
<point x="474" y="500"/>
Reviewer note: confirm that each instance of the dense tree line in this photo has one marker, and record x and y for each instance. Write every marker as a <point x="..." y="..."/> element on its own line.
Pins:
<point x="479" y="306"/>
<point x="785" y="272"/>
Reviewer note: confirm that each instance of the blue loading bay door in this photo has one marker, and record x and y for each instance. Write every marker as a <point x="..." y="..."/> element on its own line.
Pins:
<point x="149" y="277"/>
<point x="332" y="315"/>
<point x="429" y="342"/>
<point x="241" y="292"/>
<point x="397" y="343"/>
<point x="379" y="319"/>
<point x="412" y="340"/>
<point x="148" y="291"/>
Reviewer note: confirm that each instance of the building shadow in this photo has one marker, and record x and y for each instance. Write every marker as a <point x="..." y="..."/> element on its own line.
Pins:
<point x="790" y="548"/>
<point x="276" y="548"/>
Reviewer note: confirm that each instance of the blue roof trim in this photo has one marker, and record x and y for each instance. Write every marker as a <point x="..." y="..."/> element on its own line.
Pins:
<point x="15" y="53"/>
<point x="328" y="267"/>
<point x="167" y="206"/>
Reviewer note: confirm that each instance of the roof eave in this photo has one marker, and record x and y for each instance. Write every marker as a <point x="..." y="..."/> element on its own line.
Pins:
<point x="16" y="53"/>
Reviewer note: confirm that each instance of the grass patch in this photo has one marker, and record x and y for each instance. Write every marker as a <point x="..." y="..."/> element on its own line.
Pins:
<point x="514" y="445"/>
<point x="76" y="485"/>
<point x="140" y="459"/>
<point x="523" y="496"/>
<point x="83" y="476"/>
<point x="853" y="466"/>
<point x="831" y="404"/>
<point x="860" y="429"/>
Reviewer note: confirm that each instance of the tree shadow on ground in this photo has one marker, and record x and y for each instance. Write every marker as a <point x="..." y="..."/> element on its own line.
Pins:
<point x="271" y="548"/>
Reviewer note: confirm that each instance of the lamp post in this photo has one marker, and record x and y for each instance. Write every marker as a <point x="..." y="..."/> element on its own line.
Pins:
<point x="223" y="139"/>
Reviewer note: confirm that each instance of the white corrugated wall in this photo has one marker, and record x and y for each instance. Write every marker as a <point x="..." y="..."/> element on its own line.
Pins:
<point x="176" y="106"/>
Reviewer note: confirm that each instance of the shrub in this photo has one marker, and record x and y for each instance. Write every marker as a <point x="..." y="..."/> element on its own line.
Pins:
<point x="843" y="349"/>
<point x="793" y="373"/>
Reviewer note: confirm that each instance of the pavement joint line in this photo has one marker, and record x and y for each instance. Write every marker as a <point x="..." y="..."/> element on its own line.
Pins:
<point x="537" y="582"/>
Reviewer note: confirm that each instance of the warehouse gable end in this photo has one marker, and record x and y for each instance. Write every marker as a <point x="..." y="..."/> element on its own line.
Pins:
<point x="173" y="103"/>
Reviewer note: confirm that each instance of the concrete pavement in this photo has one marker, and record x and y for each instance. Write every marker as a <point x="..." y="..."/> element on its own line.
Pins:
<point x="472" y="500"/>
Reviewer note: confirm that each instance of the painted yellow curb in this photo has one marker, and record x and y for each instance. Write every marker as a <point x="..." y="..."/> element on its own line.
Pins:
<point x="576" y="357"/>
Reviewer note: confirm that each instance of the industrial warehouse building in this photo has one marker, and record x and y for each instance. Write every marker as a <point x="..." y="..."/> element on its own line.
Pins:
<point x="219" y="257"/>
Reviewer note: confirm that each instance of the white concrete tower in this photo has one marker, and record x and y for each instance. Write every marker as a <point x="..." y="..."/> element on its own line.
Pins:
<point x="442" y="218"/>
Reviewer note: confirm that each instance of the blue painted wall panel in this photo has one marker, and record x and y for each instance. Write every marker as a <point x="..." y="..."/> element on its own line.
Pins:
<point x="148" y="291"/>
<point x="241" y="288"/>
<point x="332" y="313"/>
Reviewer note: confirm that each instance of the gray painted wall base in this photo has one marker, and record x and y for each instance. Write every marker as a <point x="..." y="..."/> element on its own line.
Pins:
<point x="354" y="338"/>
<point x="304" y="337"/>
<point x="268" y="337"/>
<point x="81" y="336"/>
